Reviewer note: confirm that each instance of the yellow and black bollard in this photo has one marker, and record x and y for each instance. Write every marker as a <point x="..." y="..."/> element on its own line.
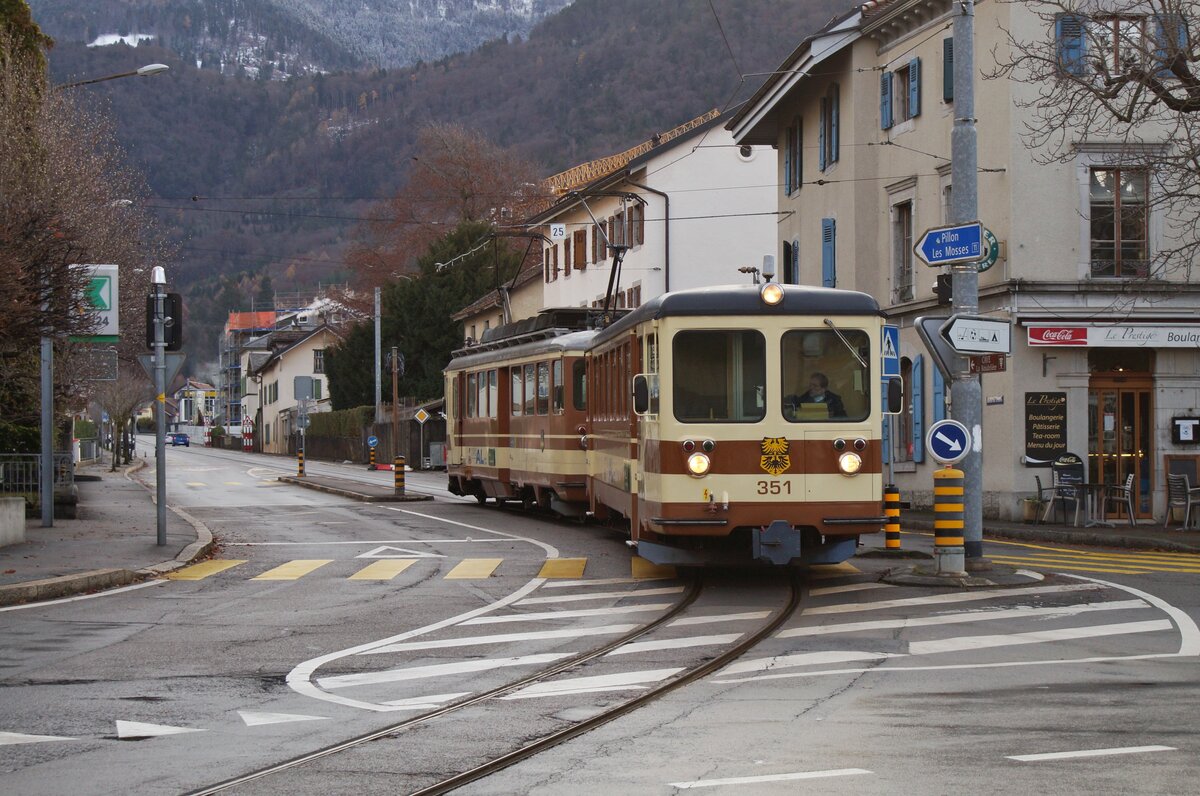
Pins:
<point x="371" y="463"/>
<point x="300" y="462"/>
<point x="948" y="521"/>
<point x="399" y="465"/>
<point x="891" y="509"/>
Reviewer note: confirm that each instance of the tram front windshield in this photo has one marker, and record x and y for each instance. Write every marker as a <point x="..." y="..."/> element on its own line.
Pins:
<point x="822" y="376"/>
<point x="719" y="376"/>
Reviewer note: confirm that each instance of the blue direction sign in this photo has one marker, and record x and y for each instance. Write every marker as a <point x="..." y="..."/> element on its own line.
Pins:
<point x="948" y="441"/>
<point x="891" y="351"/>
<point x="956" y="244"/>
<point x="372" y="442"/>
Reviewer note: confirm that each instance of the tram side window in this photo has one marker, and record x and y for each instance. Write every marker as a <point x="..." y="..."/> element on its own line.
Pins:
<point x="471" y="395"/>
<point x="483" y="396"/>
<point x="719" y="376"/>
<point x="579" y="385"/>
<point x="557" y="373"/>
<point x="530" y="391"/>
<point x="493" y="394"/>
<point x="822" y="378"/>
<point x="543" y="388"/>
<point x="517" y="392"/>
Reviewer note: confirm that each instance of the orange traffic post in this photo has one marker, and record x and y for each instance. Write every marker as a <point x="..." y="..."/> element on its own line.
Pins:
<point x="371" y="463"/>
<point x="891" y="510"/>
<point x="399" y="475"/>
<point x="300" y="462"/>
<point x="948" y="521"/>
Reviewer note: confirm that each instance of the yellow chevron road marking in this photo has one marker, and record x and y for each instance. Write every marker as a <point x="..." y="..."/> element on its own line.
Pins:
<point x="474" y="569"/>
<point x="383" y="570"/>
<point x="204" y="569"/>
<point x="563" y="568"/>
<point x="293" y="569"/>
<point x="1114" y="570"/>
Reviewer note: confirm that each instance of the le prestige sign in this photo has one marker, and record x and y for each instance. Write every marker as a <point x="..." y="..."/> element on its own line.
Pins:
<point x="1127" y="335"/>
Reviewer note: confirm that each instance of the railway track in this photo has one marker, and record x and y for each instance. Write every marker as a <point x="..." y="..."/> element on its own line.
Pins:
<point x="696" y="605"/>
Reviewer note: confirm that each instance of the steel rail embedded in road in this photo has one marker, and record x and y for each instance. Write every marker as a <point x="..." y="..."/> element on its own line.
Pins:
<point x="689" y="597"/>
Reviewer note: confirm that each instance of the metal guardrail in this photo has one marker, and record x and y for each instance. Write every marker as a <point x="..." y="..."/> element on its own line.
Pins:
<point x="20" y="474"/>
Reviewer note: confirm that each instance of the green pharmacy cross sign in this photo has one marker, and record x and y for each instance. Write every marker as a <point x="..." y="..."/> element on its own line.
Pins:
<point x="101" y="296"/>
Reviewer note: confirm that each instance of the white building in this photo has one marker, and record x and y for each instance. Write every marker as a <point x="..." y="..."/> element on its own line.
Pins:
<point x="273" y="363"/>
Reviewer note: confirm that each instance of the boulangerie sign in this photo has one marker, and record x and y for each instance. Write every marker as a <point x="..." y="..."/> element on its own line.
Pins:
<point x="1120" y="336"/>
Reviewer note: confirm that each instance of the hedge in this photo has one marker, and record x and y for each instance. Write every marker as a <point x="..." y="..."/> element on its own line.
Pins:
<point x="342" y="423"/>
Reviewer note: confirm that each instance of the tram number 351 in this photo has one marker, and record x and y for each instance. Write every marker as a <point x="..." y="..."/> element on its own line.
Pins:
<point x="774" y="487"/>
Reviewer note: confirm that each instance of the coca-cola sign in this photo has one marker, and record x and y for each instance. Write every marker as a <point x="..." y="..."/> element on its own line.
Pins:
<point x="1058" y="335"/>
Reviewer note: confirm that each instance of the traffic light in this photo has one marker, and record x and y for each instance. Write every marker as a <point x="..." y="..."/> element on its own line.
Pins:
<point x="944" y="289"/>
<point x="173" y="328"/>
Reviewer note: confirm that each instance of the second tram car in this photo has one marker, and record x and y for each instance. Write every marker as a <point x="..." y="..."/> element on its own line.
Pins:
<point x="721" y="425"/>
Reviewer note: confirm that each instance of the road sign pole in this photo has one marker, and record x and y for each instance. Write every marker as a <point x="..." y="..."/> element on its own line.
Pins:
<point x="160" y="409"/>
<point x="966" y="391"/>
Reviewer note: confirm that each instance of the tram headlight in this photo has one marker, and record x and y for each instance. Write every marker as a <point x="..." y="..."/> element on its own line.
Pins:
<point x="849" y="463"/>
<point x="771" y="293"/>
<point x="698" y="464"/>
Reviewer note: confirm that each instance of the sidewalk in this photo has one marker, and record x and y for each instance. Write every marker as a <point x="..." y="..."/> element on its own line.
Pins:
<point x="113" y="542"/>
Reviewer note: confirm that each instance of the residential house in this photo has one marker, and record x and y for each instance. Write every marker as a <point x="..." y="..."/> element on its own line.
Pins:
<point x="240" y="327"/>
<point x="272" y="363"/>
<point x="1104" y="359"/>
<point x="197" y="402"/>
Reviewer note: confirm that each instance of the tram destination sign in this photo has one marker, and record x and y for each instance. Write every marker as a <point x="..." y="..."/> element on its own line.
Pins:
<point x="953" y="244"/>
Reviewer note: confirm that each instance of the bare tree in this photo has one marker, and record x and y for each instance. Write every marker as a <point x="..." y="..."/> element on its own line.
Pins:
<point x="1123" y="75"/>
<point x="120" y="398"/>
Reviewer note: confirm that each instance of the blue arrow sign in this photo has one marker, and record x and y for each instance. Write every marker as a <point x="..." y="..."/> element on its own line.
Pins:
<point x="372" y="442"/>
<point x="948" y="441"/>
<point x="945" y="245"/>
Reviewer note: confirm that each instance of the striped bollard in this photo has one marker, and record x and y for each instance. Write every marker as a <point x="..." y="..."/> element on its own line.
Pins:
<point x="891" y="509"/>
<point x="300" y="462"/>
<point x="371" y="463"/>
<point x="948" y="521"/>
<point x="399" y="475"/>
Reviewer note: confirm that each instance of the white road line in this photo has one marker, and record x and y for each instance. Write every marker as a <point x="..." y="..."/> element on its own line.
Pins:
<point x="964" y="643"/>
<point x="365" y="542"/>
<point x="804" y="659"/>
<point x="1021" y="612"/>
<point x="848" y="588"/>
<point x="436" y="670"/>
<point x="13" y="738"/>
<point x="1189" y="634"/>
<point x="550" y="550"/>
<point x="584" y="685"/>
<point x="711" y="783"/>
<point x="107" y="593"/>
<point x="253" y="719"/>
<point x="941" y="599"/>
<point x="559" y="584"/>
<point x="623" y="609"/>
<point x="428" y="702"/>
<point x="704" y="620"/>
<point x="503" y="638"/>
<point x="600" y="595"/>
<point x="676" y="643"/>
<point x="1121" y="750"/>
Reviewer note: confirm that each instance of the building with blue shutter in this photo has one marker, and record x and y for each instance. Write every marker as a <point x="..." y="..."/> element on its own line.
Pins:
<point x="1106" y="336"/>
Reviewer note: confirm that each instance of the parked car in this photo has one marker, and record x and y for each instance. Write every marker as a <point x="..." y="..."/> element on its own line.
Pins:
<point x="179" y="438"/>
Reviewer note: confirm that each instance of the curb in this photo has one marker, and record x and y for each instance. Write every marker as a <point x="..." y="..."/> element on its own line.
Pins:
<point x="66" y="585"/>
<point x="1073" y="537"/>
<point x="198" y="549"/>
<point x="333" y="490"/>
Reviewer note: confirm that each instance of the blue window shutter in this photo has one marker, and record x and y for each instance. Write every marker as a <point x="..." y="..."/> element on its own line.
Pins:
<point x="918" y="425"/>
<point x="795" y="280"/>
<point x="829" y="252"/>
<point x="798" y="163"/>
<point x="821" y="136"/>
<point x="885" y="101"/>
<point x="1072" y="46"/>
<point x="914" y="87"/>
<point x="939" y="395"/>
<point x="948" y="70"/>
<point x="1170" y="38"/>
<point x="835" y="110"/>
<point x="787" y="164"/>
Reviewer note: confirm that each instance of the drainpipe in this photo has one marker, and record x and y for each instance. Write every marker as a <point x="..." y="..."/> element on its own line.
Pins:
<point x="666" y="233"/>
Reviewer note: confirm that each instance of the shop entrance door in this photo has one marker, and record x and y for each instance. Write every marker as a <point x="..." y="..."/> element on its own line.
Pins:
<point x="1120" y="438"/>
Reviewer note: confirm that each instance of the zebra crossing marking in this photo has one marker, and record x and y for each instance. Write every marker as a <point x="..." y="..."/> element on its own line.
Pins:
<point x="383" y="570"/>
<point x="294" y="570"/>
<point x="204" y="569"/>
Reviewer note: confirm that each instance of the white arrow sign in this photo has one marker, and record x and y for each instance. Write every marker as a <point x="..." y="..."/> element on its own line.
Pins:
<point x="968" y="334"/>
<point x="952" y="444"/>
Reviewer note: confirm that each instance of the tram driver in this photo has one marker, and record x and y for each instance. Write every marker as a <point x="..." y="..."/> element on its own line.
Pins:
<point x="818" y="399"/>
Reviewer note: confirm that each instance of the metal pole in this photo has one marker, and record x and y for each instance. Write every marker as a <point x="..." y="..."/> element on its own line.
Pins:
<point x="966" y="392"/>
<point x="47" y="470"/>
<point x="160" y="408"/>
<point x="378" y="357"/>
<point x="395" y="400"/>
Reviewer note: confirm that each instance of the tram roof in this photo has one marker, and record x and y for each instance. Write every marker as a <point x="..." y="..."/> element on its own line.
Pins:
<point x="745" y="300"/>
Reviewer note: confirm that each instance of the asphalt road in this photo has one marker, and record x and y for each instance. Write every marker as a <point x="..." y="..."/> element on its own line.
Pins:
<point x="321" y="619"/>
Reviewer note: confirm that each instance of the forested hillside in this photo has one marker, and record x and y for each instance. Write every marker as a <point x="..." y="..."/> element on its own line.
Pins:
<point x="273" y="176"/>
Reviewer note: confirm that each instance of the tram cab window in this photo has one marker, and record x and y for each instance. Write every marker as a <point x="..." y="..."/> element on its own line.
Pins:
<point x="557" y="382"/>
<point x="719" y="376"/>
<point x="518" y="391"/>
<point x="543" y="388"/>
<point x="530" y="391"/>
<point x="471" y="395"/>
<point x="822" y="378"/>
<point x="579" y="385"/>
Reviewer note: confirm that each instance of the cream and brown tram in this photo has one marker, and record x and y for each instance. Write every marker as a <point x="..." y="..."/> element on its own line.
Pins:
<point x="723" y="425"/>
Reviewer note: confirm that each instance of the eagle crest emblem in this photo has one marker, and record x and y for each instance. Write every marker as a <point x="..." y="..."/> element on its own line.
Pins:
<point x="774" y="459"/>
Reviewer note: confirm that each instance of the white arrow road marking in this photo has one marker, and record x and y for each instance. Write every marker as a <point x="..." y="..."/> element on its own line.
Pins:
<point x="258" y="719"/>
<point x="710" y="783"/>
<point x="13" y="738"/>
<point x="396" y="552"/>
<point x="954" y="444"/>
<point x="436" y="670"/>
<point x="586" y="685"/>
<point x="1122" y="750"/>
<point x="137" y="729"/>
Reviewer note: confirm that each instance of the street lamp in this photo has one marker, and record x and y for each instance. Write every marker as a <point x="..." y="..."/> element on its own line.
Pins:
<point x="159" y="280"/>
<point x="142" y="71"/>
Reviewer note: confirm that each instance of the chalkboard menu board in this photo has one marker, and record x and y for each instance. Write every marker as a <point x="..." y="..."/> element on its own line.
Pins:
<point x="1045" y="427"/>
